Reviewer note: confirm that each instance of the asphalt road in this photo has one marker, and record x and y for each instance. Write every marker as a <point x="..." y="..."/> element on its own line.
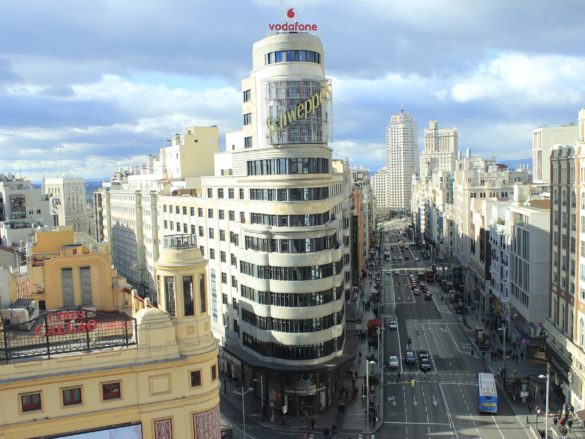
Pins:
<point x="443" y="401"/>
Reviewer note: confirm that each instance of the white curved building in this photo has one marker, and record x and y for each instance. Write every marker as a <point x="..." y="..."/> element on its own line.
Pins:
<point x="286" y="210"/>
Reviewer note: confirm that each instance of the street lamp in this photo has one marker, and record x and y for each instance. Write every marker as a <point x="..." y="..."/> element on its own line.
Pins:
<point x="504" y="328"/>
<point x="547" y="376"/>
<point x="261" y="392"/>
<point x="368" y="394"/>
<point x="243" y="395"/>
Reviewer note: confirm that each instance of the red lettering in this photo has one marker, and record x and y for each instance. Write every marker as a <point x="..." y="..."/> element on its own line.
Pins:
<point x="40" y="330"/>
<point x="91" y="325"/>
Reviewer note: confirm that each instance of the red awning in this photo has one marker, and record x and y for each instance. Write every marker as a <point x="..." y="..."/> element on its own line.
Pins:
<point x="374" y="323"/>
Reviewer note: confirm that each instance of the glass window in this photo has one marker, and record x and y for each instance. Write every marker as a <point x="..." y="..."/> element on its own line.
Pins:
<point x="30" y="402"/>
<point x="111" y="391"/>
<point x="202" y="293"/>
<point x="213" y="372"/>
<point x="195" y="378"/>
<point x="188" y="299"/>
<point x="170" y="294"/>
<point x="71" y="396"/>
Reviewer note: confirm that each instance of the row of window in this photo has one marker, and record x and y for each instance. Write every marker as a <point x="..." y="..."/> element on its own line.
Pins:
<point x="290" y="194"/>
<point x="307" y="352"/>
<point x="307" y="245"/>
<point x="33" y="401"/>
<point x="313" y="165"/>
<point x="292" y="325"/>
<point x="71" y="396"/>
<point x="291" y="273"/>
<point x="292" y="299"/>
<point x="306" y="220"/>
<point x="293" y="56"/>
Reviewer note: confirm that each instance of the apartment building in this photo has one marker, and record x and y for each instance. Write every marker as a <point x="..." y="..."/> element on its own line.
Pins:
<point x="440" y="149"/>
<point x="100" y="360"/>
<point x="566" y="323"/>
<point x="543" y="139"/>
<point x="22" y="208"/>
<point x="126" y="212"/>
<point x="68" y="203"/>
<point x="379" y="186"/>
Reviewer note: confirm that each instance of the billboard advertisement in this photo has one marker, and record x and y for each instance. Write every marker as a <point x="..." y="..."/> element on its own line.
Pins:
<point x="125" y="432"/>
<point x="296" y="111"/>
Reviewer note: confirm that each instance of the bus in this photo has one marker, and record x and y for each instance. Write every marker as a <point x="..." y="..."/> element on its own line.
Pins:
<point x="488" y="393"/>
<point x="430" y="275"/>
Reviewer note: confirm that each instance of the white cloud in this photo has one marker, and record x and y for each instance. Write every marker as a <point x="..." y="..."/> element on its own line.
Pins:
<point x="542" y="79"/>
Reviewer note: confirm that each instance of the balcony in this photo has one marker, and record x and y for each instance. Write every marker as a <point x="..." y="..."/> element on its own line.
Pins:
<point x="181" y="241"/>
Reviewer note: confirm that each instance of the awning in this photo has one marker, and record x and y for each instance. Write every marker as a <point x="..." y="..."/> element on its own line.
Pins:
<point x="374" y="323"/>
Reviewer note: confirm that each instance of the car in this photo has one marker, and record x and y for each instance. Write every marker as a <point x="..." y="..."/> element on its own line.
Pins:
<point x="423" y="354"/>
<point x="406" y="257"/>
<point x="428" y="295"/>
<point x="416" y="292"/>
<point x="393" y="362"/>
<point x="391" y="323"/>
<point x="424" y="364"/>
<point x="416" y="258"/>
<point x="409" y="358"/>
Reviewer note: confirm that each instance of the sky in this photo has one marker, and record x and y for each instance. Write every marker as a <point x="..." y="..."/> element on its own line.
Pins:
<point x="90" y="87"/>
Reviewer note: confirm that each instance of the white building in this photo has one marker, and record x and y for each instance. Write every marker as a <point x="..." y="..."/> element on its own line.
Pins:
<point x="379" y="186"/>
<point x="126" y="207"/>
<point x="22" y="208"/>
<point x="401" y="160"/>
<point x="440" y="150"/>
<point x="67" y="199"/>
<point x="274" y="222"/>
<point x="543" y="139"/>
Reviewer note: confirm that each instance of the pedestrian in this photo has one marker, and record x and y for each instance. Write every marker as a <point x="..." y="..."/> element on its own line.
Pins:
<point x="522" y="355"/>
<point x="529" y="408"/>
<point x="333" y="431"/>
<point x="570" y="423"/>
<point x="313" y="424"/>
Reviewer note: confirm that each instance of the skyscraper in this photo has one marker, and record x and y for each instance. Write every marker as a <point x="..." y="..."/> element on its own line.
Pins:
<point x="401" y="160"/>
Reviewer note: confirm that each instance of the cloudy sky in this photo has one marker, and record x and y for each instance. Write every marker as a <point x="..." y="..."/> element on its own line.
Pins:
<point x="90" y="86"/>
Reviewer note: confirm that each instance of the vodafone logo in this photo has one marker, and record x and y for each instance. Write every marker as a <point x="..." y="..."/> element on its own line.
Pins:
<point x="292" y="26"/>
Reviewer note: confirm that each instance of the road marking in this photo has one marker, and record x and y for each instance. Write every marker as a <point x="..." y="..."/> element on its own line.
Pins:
<point x="469" y="411"/>
<point x="435" y="402"/>
<point x="453" y="431"/>
<point x="416" y="423"/>
<point x="495" y="422"/>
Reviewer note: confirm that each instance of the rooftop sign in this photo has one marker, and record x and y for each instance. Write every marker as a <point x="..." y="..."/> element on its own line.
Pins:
<point x="291" y="26"/>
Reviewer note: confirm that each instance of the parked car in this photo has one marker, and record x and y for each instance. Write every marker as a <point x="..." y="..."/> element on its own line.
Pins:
<point x="391" y="323"/>
<point x="393" y="362"/>
<point x="410" y="358"/>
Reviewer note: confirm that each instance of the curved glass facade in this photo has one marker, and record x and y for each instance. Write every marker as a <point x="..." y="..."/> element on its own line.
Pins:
<point x="293" y="56"/>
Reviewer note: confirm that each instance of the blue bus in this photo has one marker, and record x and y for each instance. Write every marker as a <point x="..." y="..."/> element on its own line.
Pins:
<point x="488" y="393"/>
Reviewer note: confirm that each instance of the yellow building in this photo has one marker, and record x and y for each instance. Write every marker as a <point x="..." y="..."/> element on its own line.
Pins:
<point x="116" y="363"/>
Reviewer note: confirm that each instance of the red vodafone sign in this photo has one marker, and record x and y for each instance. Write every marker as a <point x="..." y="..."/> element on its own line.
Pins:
<point x="292" y="26"/>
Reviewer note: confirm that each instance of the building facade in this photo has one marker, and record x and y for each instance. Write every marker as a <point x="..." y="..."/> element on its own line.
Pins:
<point x="100" y="359"/>
<point x="22" y="208"/>
<point x="275" y="224"/>
<point x="543" y="139"/>
<point x="67" y="199"/>
<point x="402" y="160"/>
<point x="441" y="146"/>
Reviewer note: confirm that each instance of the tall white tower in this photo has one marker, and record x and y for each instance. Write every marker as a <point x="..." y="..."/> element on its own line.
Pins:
<point x="401" y="159"/>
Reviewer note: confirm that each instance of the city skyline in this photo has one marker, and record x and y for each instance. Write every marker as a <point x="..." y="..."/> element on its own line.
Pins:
<point x="86" y="91"/>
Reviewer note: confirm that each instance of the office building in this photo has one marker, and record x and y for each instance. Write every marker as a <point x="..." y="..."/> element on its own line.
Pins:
<point x="440" y="150"/>
<point x="68" y="202"/>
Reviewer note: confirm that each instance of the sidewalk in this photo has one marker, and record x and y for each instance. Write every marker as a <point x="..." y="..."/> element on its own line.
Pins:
<point x="525" y="369"/>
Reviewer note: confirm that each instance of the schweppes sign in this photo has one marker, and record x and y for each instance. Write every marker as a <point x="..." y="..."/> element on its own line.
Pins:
<point x="301" y="111"/>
